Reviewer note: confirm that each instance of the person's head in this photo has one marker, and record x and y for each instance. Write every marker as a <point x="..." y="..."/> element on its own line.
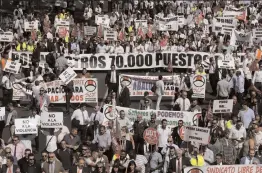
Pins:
<point x="122" y="114"/>
<point x="44" y="155"/>
<point x="101" y="151"/>
<point x="83" y="107"/>
<point x="123" y="155"/>
<point x="245" y="105"/>
<point x="132" y="154"/>
<point x="194" y="102"/>
<point x="179" y="153"/>
<point x="164" y="123"/>
<point x="219" y="158"/>
<point x="251" y="153"/>
<point x="100" y="167"/>
<point x="180" y="123"/>
<point x="27" y="152"/>
<point x="115" y="167"/>
<point x="51" y="157"/>
<point x="153" y="117"/>
<point x="238" y="73"/>
<point x="234" y="99"/>
<point x="31" y="159"/>
<point x="113" y="67"/>
<point x="97" y="108"/>
<point x="172" y="151"/>
<point x="146" y="94"/>
<point x="239" y="124"/>
<point x="81" y="163"/>
<point x="234" y="119"/>
<point x="8" y="152"/>
<point x="42" y="91"/>
<point x="260" y="150"/>
<point x="11" y="106"/>
<point x="85" y="151"/>
<point x="131" y="166"/>
<point x="63" y="144"/>
<point x="15" y="140"/>
<point x="160" y="77"/>
<point x="214" y="123"/>
<point x="253" y="93"/>
<point x="9" y="161"/>
<point x="74" y="132"/>
<point x="184" y="94"/>
<point x="34" y="112"/>
<point x="201" y="69"/>
<point x="139" y="117"/>
<point x="102" y="130"/>
<point x="96" y="123"/>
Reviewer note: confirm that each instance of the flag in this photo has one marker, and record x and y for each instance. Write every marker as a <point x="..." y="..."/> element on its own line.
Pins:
<point x="149" y="31"/>
<point x="258" y="54"/>
<point x="140" y="32"/>
<point x="33" y="35"/>
<point x="121" y="35"/>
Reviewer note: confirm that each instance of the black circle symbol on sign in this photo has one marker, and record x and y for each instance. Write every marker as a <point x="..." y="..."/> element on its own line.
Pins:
<point x="195" y="170"/>
<point x="195" y="119"/>
<point x="108" y="113"/>
<point x="199" y="81"/>
<point x="126" y="79"/>
<point x="90" y="85"/>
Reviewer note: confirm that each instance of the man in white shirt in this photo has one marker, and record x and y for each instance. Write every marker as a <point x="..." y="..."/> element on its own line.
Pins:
<point x="183" y="102"/>
<point x="97" y="115"/>
<point x="101" y="47"/>
<point x="81" y="115"/>
<point x="119" y="48"/>
<point x="111" y="79"/>
<point x="37" y="118"/>
<point x="257" y="78"/>
<point x="246" y="114"/>
<point x="238" y="135"/>
<point x="163" y="134"/>
<point x="223" y="88"/>
<point x="7" y="89"/>
<point x="159" y="91"/>
<point x="239" y="85"/>
<point x="123" y="120"/>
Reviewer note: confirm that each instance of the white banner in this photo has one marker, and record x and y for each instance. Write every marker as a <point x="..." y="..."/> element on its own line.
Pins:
<point x="138" y="85"/>
<point x="89" y="30"/>
<point x="225" y="169"/>
<point x="52" y="120"/>
<point x="167" y="24"/>
<point x="197" y="134"/>
<point x="102" y="20"/>
<point x="67" y="75"/>
<point x="110" y="35"/>
<point x="224" y="25"/>
<point x="26" y="126"/>
<point x="225" y="64"/>
<point x="257" y="33"/>
<point x="12" y="67"/>
<point x="238" y="38"/>
<point x="30" y="26"/>
<point x="189" y="118"/>
<point x="233" y="12"/>
<point x="2" y="113"/>
<point x="222" y="106"/>
<point x="142" y="23"/>
<point x="6" y="36"/>
<point x="199" y="86"/>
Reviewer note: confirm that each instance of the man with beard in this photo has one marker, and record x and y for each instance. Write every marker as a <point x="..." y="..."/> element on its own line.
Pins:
<point x="152" y="123"/>
<point x="80" y="167"/>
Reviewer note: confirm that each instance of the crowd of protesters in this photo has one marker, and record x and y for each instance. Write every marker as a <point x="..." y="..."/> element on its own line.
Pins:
<point x="89" y="145"/>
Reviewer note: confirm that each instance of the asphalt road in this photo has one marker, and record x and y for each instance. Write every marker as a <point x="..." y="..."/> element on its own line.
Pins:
<point x="165" y="104"/>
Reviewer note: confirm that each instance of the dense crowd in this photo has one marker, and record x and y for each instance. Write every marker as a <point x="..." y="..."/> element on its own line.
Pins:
<point x="119" y="145"/>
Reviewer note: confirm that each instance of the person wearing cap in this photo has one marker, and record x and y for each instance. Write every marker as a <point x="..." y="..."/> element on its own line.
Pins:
<point x="97" y="115"/>
<point x="81" y="115"/>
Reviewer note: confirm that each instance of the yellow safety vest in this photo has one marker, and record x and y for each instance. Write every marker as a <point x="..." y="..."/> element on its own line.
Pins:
<point x="61" y="16"/>
<point x="24" y="46"/>
<point x="30" y="48"/>
<point x="18" y="47"/>
<point x="130" y="29"/>
<point x="203" y="73"/>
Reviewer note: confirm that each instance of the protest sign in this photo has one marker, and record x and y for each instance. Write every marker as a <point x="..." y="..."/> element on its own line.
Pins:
<point x="52" y="120"/>
<point x="199" y="86"/>
<point x="30" y="26"/>
<point x="12" y="67"/>
<point x="25" y="126"/>
<point x="102" y="20"/>
<point x="225" y="169"/>
<point x="6" y="36"/>
<point x="181" y="20"/>
<point x="232" y="12"/>
<point x="197" y="134"/>
<point x="62" y="27"/>
<point x="68" y="75"/>
<point x="110" y="35"/>
<point x="2" y="113"/>
<point x="89" y="30"/>
<point x="225" y="64"/>
<point x="239" y="38"/>
<point x="19" y="94"/>
<point x="222" y="106"/>
<point x="172" y="117"/>
<point x="257" y="33"/>
<point x="167" y="24"/>
<point x="142" y="23"/>
<point x="225" y="25"/>
<point x="103" y="61"/>
<point x="150" y="135"/>
<point x="138" y="85"/>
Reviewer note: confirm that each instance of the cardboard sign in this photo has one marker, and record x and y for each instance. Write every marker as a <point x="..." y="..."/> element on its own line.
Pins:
<point x="239" y="38"/>
<point x="68" y="75"/>
<point x="30" y="26"/>
<point x="110" y="35"/>
<point x="223" y="106"/>
<point x="142" y="23"/>
<point x="2" y="113"/>
<point x="151" y="136"/>
<point x="12" y="67"/>
<point x="226" y="64"/>
<point x="167" y="24"/>
<point x="89" y="30"/>
<point x="102" y="20"/>
<point x="197" y="134"/>
<point x="6" y="37"/>
<point x="52" y="120"/>
<point x="26" y="126"/>
<point x="257" y="33"/>
<point x="199" y="86"/>
<point x="225" y="168"/>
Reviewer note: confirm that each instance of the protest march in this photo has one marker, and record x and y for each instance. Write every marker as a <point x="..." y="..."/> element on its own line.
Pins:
<point x="116" y="86"/>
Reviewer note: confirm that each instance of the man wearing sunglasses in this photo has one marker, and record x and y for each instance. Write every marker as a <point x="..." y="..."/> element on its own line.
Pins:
<point x="17" y="149"/>
<point x="44" y="158"/>
<point x="32" y="166"/>
<point x="53" y="165"/>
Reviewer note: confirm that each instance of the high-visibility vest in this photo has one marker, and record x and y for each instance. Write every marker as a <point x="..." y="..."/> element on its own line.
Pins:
<point x="61" y="16"/>
<point x="18" y="47"/>
<point x="24" y="46"/>
<point x="30" y="48"/>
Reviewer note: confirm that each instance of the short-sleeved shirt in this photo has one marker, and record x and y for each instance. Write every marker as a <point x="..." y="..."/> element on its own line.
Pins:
<point x="74" y="142"/>
<point x="155" y="161"/>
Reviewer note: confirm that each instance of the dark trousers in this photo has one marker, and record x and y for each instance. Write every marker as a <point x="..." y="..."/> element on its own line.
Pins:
<point x="68" y="97"/>
<point x="139" y="144"/>
<point x="37" y="141"/>
<point x="82" y="132"/>
<point x="7" y="96"/>
<point x="240" y="97"/>
<point x="2" y="126"/>
<point x="213" y="82"/>
<point x="112" y="87"/>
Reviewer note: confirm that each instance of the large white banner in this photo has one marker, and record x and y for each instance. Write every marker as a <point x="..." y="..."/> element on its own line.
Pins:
<point x="239" y="38"/>
<point x="138" y="85"/>
<point x="52" y="120"/>
<point x="189" y="118"/>
<point x="224" y="25"/>
<point x="6" y="36"/>
<point x="199" y="86"/>
<point x="225" y="169"/>
<point x="222" y="106"/>
<point x="25" y="126"/>
<point x="167" y="24"/>
<point x="233" y="12"/>
<point x="197" y="134"/>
